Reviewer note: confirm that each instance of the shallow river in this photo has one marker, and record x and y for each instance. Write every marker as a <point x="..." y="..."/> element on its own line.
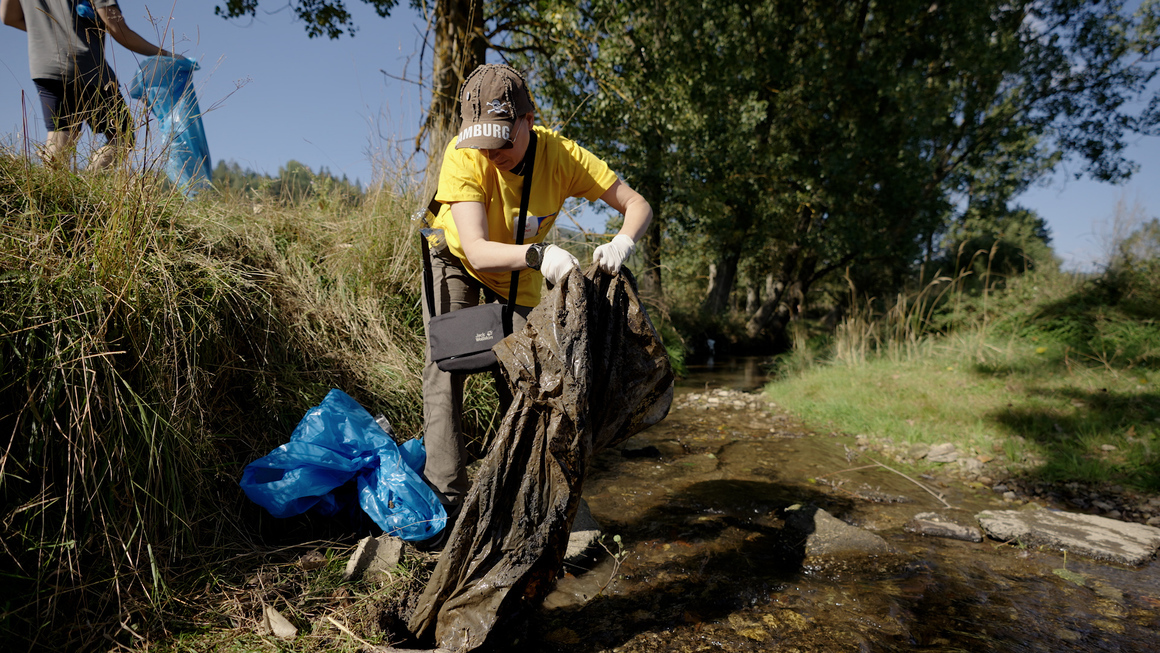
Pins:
<point x="697" y="502"/>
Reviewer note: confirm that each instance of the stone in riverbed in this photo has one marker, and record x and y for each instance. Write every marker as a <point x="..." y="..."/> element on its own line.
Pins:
<point x="827" y="543"/>
<point x="585" y="534"/>
<point x="1095" y="537"/>
<point x="932" y="524"/>
<point x="942" y="453"/>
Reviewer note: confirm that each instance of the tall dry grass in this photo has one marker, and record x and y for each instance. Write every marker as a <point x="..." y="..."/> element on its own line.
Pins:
<point x="153" y="347"/>
<point x="960" y="304"/>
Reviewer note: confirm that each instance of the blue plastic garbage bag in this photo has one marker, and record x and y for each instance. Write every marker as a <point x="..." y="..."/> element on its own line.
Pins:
<point x="165" y="84"/>
<point x="336" y="441"/>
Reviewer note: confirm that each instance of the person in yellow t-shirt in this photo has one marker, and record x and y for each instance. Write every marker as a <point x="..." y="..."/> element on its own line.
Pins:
<point x="479" y="187"/>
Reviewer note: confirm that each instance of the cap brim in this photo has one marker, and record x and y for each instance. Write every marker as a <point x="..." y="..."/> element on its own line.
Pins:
<point x="486" y="135"/>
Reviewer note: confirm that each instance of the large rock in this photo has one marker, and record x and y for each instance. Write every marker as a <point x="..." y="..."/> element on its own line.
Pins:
<point x="931" y="524"/>
<point x="374" y="557"/>
<point x="585" y="534"/>
<point x="942" y="453"/>
<point x="826" y="543"/>
<point x="1096" y="537"/>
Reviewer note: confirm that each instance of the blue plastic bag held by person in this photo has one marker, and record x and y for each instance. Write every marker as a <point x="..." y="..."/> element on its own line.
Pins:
<point x="165" y="84"/>
<point x="336" y="441"/>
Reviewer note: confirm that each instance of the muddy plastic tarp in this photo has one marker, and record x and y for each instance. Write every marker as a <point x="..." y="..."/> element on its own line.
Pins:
<point x="587" y="372"/>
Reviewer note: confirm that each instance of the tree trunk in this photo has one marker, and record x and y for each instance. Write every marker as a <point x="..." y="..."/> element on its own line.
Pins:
<point x="649" y="182"/>
<point x="650" y="245"/>
<point x="772" y="310"/>
<point x="459" y="48"/>
<point x="721" y="284"/>
<point x="788" y="296"/>
<point x="650" y="278"/>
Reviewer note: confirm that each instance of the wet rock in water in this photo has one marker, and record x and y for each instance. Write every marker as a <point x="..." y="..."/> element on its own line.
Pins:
<point x="875" y="496"/>
<point x="644" y="452"/>
<point x="942" y="453"/>
<point x="1088" y="535"/>
<point x="829" y="542"/>
<point x="932" y="524"/>
<point x="585" y="534"/>
<point x="670" y="449"/>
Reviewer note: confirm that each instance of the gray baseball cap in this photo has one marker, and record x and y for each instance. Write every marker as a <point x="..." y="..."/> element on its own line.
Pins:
<point x="491" y="99"/>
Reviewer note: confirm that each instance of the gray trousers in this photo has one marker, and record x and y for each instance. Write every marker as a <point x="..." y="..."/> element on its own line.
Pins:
<point x="446" y="468"/>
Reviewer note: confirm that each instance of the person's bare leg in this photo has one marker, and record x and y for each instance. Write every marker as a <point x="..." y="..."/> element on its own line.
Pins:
<point x="59" y="147"/>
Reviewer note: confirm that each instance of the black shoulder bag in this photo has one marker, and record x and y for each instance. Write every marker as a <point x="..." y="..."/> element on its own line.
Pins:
<point x="461" y="340"/>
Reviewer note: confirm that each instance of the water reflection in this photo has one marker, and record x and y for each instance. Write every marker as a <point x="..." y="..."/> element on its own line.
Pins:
<point x="707" y="566"/>
<point x="745" y="373"/>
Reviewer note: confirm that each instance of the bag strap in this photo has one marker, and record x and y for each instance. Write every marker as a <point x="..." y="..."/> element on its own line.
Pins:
<point x="428" y="278"/>
<point x="513" y="289"/>
<point x="525" y="193"/>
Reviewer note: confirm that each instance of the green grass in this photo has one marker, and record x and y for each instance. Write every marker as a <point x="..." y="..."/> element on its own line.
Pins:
<point x="150" y="348"/>
<point x="1059" y="381"/>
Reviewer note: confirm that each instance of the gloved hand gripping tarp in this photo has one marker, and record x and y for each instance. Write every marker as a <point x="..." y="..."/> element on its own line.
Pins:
<point x="165" y="84"/>
<point x="587" y="372"/>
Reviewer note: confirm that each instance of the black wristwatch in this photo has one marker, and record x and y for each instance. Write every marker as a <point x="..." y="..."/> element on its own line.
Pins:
<point x="535" y="256"/>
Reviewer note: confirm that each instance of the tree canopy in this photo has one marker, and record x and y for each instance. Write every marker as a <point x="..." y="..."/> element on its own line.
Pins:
<point x="782" y="141"/>
<point x="328" y="18"/>
<point x="796" y="139"/>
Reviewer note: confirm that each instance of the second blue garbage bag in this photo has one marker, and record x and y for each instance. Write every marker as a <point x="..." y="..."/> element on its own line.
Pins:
<point x="165" y="84"/>
<point x="337" y="441"/>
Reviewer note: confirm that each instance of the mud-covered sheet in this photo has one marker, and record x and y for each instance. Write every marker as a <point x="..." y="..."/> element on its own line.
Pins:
<point x="587" y="372"/>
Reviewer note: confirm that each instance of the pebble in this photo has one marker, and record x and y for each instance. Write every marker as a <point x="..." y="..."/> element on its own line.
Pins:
<point x="942" y="453"/>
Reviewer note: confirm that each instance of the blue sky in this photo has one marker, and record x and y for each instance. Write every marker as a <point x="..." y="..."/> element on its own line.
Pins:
<point x="270" y="94"/>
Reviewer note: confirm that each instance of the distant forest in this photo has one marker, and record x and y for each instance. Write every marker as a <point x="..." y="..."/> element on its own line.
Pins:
<point x="294" y="182"/>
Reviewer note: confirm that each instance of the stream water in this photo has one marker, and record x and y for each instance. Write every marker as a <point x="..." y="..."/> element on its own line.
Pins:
<point x="697" y="502"/>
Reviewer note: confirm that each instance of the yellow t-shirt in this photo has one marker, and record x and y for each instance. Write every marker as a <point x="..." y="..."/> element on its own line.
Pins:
<point x="563" y="169"/>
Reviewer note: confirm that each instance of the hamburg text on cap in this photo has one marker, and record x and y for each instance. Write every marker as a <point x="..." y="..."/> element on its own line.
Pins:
<point x="493" y="97"/>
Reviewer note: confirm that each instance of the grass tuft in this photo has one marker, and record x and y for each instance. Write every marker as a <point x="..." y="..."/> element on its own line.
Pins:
<point x="151" y="347"/>
<point x="1052" y="373"/>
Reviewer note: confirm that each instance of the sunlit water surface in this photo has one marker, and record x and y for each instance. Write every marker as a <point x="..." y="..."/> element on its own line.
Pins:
<point x="697" y="502"/>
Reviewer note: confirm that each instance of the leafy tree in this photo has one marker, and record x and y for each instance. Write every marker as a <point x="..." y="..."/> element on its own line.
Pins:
<point x="321" y="17"/>
<point x="1143" y="244"/>
<point x="230" y="177"/>
<point x="810" y="136"/>
<point x="295" y="182"/>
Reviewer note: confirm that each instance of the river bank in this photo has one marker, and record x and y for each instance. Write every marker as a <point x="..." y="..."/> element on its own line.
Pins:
<point x="702" y="502"/>
<point x="944" y="464"/>
<point x="701" y="552"/>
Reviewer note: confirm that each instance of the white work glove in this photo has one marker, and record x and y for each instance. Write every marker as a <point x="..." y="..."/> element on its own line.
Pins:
<point x="558" y="262"/>
<point x="610" y="256"/>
